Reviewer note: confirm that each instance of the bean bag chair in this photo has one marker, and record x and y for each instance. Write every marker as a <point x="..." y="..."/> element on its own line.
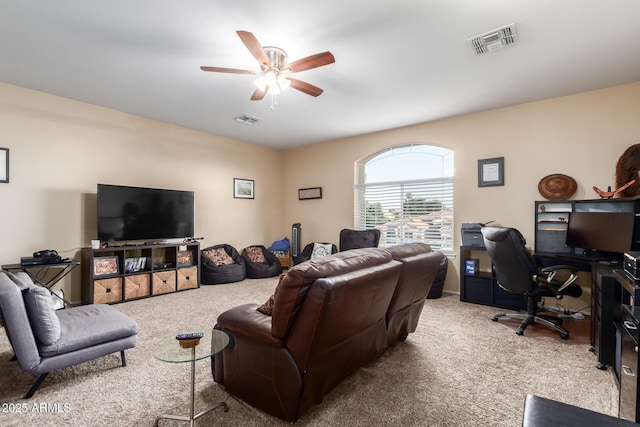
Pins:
<point x="260" y="262"/>
<point x="221" y="264"/>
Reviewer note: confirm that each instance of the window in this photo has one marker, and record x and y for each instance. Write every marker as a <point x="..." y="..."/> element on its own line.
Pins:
<point x="407" y="193"/>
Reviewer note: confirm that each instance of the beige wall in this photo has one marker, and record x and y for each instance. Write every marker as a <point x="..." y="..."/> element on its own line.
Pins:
<point x="60" y="149"/>
<point x="581" y="136"/>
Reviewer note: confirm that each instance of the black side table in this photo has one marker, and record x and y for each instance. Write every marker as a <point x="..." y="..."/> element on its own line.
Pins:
<point x="34" y="271"/>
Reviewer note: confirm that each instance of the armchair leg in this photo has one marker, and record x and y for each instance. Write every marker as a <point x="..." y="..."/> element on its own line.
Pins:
<point x="35" y="386"/>
<point x="124" y="361"/>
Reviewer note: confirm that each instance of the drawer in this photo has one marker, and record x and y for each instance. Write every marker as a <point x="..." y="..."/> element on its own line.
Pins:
<point x="137" y="286"/>
<point x="163" y="282"/>
<point x="187" y="278"/>
<point x="106" y="291"/>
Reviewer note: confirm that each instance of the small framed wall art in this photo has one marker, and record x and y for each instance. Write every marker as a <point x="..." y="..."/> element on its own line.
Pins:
<point x="491" y="172"/>
<point x="105" y="265"/>
<point x="4" y="165"/>
<point x="310" y="193"/>
<point x="243" y="188"/>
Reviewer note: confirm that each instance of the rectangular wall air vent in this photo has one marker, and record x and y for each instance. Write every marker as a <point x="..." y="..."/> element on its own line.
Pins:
<point x="494" y="40"/>
<point x="247" y="119"/>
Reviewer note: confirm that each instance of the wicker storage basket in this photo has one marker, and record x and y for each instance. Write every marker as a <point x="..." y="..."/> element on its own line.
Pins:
<point x="164" y="282"/>
<point x="107" y="290"/>
<point x="137" y="286"/>
<point x="187" y="278"/>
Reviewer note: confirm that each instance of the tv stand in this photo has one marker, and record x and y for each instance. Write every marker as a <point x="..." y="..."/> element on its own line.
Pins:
<point x="122" y="273"/>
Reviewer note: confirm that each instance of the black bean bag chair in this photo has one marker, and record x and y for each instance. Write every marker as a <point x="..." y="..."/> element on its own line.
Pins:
<point x="215" y="269"/>
<point x="260" y="262"/>
<point x="438" y="282"/>
<point x="307" y="252"/>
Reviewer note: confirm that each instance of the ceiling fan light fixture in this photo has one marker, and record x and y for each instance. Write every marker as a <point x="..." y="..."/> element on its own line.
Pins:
<point x="274" y="67"/>
<point x="283" y="83"/>
<point x="272" y="81"/>
<point x="260" y="83"/>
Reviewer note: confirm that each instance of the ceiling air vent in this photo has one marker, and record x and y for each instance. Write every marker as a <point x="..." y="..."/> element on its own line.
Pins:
<point x="247" y="119"/>
<point x="494" y="40"/>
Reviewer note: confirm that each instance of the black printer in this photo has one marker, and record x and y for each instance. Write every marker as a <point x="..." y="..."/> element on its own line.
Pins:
<point x="471" y="235"/>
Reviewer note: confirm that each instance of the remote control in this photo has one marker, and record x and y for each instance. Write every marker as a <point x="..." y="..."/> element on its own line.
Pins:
<point x="189" y="336"/>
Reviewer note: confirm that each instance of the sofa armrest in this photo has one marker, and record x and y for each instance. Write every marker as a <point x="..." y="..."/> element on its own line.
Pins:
<point x="245" y="320"/>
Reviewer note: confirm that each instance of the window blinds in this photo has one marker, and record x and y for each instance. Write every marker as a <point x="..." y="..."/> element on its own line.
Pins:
<point x="408" y="211"/>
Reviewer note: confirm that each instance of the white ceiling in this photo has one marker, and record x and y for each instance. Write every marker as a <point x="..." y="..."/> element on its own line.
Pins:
<point x="398" y="62"/>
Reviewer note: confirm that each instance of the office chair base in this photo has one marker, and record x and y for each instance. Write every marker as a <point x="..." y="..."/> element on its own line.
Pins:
<point x="530" y="320"/>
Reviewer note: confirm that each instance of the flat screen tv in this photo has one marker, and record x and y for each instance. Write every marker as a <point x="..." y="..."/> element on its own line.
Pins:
<point x="610" y="233"/>
<point x="143" y="214"/>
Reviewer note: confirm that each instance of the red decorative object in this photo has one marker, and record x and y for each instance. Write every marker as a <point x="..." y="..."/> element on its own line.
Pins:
<point x="609" y="194"/>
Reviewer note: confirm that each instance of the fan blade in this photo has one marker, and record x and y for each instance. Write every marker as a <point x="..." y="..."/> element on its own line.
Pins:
<point x="312" y="61"/>
<point x="305" y="87"/>
<point x="254" y="46"/>
<point x="259" y="94"/>
<point x="227" y="70"/>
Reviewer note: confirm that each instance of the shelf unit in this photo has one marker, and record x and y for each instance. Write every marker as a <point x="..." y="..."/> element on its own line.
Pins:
<point x="482" y="286"/>
<point x="629" y="404"/>
<point x="116" y="274"/>
<point x="552" y="218"/>
<point x="551" y="226"/>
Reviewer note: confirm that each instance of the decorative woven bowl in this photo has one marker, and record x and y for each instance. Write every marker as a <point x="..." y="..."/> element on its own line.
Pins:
<point x="557" y="187"/>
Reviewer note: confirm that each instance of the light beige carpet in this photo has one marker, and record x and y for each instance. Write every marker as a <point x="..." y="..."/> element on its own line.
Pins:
<point x="458" y="369"/>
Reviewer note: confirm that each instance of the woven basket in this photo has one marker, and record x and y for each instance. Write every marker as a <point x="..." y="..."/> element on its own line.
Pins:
<point x="107" y="290"/>
<point x="163" y="282"/>
<point x="137" y="286"/>
<point x="187" y="278"/>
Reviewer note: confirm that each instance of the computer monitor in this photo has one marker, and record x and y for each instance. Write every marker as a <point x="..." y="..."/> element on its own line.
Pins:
<point x="603" y="232"/>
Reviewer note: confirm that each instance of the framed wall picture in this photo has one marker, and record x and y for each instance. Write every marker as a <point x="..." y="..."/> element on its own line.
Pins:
<point x="243" y="188"/>
<point x="491" y="172"/>
<point x="105" y="265"/>
<point x="4" y="165"/>
<point x="310" y="193"/>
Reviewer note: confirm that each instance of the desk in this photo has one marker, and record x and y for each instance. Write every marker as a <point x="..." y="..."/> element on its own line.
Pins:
<point x="62" y="269"/>
<point x="170" y="350"/>
<point x="606" y="313"/>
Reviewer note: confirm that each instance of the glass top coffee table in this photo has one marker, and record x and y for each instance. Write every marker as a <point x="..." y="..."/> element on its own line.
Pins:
<point x="174" y="351"/>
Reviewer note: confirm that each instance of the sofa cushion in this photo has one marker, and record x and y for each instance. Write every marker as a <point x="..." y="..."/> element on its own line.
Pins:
<point x="42" y="316"/>
<point x="267" y="307"/>
<point x="89" y="325"/>
<point x="219" y="256"/>
<point x="294" y="286"/>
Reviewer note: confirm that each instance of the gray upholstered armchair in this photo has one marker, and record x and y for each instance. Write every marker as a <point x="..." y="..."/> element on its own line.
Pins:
<point x="45" y="340"/>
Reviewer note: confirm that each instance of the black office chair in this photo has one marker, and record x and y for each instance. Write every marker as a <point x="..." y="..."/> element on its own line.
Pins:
<point x="356" y="239"/>
<point x="516" y="272"/>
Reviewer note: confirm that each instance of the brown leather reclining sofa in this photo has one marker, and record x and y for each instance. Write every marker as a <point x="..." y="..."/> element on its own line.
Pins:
<point x="330" y="316"/>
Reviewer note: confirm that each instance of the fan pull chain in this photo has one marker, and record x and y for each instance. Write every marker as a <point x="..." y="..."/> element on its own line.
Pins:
<point x="274" y="102"/>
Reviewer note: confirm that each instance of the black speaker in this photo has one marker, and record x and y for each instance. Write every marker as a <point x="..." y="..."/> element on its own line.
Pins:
<point x="295" y="240"/>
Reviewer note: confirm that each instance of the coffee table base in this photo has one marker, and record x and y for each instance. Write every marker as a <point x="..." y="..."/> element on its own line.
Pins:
<point x="191" y="418"/>
<point x="195" y="417"/>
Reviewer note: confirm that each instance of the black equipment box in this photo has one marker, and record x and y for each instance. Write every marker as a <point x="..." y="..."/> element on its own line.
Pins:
<point x="471" y="235"/>
<point x="632" y="264"/>
<point x="44" y="260"/>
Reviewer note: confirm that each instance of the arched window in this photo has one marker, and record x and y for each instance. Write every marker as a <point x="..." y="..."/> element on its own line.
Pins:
<point x="407" y="193"/>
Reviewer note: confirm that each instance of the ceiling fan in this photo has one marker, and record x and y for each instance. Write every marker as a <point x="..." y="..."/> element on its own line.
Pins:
<point x="274" y="68"/>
